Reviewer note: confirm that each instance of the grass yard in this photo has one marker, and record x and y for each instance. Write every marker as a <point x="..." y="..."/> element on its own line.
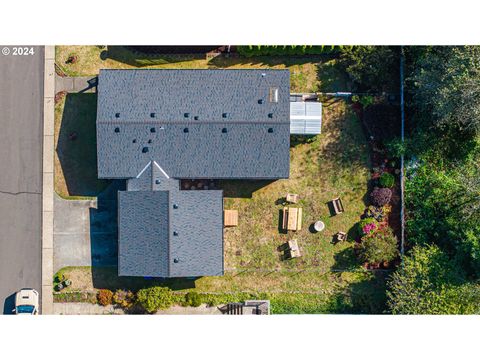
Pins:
<point x="327" y="278"/>
<point x="75" y="147"/>
<point x="334" y="164"/>
<point x="303" y="70"/>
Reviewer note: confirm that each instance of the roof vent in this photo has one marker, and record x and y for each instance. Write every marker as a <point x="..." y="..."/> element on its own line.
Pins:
<point x="117" y="129"/>
<point x="152" y="130"/>
<point x="186" y="115"/>
<point x="145" y="150"/>
<point x="196" y="117"/>
<point x="270" y="115"/>
<point x="260" y="101"/>
<point x="117" y="115"/>
<point x="152" y="115"/>
<point x="157" y="181"/>
<point x="185" y="130"/>
<point x="224" y="130"/>
<point x="224" y="115"/>
<point x="264" y="74"/>
<point x="134" y="141"/>
<point x="176" y="260"/>
<point x="175" y="206"/>
<point x="175" y="233"/>
<point x="149" y="141"/>
<point x="270" y="130"/>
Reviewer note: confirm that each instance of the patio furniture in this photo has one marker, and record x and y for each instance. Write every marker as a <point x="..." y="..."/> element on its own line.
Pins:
<point x="319" y="226"/>
<point x="293" y="250"/>
<point x="230" y="218"/>
<point x="337" y="206"/>
<point x="292" y="198"/>
<point x="292" y="219"/>
<point x="341" y="236"/>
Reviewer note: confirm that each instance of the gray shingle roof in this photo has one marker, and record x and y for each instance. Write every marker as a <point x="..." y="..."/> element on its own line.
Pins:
<point x="143" y="233"/>
<point x="170" y="233"/>
<point x="141" y="118"/>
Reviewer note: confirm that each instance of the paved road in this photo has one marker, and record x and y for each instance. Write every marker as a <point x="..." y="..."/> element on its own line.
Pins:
<point x="21" y="131"/>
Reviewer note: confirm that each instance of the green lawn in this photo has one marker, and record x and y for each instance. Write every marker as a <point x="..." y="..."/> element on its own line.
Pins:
<point x="75" y="147"/>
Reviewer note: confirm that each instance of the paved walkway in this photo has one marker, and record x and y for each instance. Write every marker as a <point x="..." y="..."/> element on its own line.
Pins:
<point x="93" y="309"/>
<point x="47" y="193"/>
<point x="75" y="84"/>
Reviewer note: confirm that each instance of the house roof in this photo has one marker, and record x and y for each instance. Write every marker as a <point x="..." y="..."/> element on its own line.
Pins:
<point x="194" y="123"/>
<point x="170" y="233"/>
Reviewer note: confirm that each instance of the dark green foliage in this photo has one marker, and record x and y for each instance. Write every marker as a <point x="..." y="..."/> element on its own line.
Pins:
<point x="445" y="88"/>
<point x="155" y="298"/>
<point x="372" y="68"/>
<point x="378" y="247"/>
<point x="430" y="283"/>
<point x="193" y="299"/>
<point x="281" y="50"/>
<point x="381" y="196"/>
<point x="386" y="180"/>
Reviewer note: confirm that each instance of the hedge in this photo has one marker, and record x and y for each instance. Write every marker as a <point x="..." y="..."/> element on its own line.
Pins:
<point x="269" y="50"/>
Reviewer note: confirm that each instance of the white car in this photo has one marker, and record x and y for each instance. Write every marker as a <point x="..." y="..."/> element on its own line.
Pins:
<point x="26" y="302"/>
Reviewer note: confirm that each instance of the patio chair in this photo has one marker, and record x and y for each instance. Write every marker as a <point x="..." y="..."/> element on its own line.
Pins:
<point x="292" y="198"/>
<point x="337" y="206"/>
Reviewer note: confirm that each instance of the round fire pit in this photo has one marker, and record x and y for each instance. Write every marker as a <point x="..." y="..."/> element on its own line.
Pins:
<point x="319" y="226"/>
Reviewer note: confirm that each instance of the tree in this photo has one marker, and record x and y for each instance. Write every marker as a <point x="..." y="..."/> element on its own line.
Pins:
<point x="378" y="247"/>
<point x="155" y="298"/>
<point x="446" y="88"/>
<point x="372" y="68"/>
<point x="430" y="283"/>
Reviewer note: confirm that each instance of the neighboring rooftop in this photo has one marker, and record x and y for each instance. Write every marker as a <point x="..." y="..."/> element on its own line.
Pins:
<point x="194" y="123"/>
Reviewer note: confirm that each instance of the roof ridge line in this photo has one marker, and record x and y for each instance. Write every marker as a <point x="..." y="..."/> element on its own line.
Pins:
<point x="160" y="168"/>
<point x="145" y="168"/>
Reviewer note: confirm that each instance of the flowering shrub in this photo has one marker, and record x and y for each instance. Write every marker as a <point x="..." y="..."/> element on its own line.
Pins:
<point x="124" y="298"/>
<point x="367" y="226"/>
<point x="381" y="196"/>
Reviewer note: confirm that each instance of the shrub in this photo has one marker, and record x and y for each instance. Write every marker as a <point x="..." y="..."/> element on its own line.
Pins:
<point x="59" y="277"/>
<point x="381" y="196"/>
<point x="387" y="180"/>
<point x="193" y="299"/>
<point x="274" y="50"/>
<point x="124" y="298"/>
<point x="367" y="226"/>
<point x="104" y="297"/>
<point x="155" y="298"/>
<point x="378" y="247"/>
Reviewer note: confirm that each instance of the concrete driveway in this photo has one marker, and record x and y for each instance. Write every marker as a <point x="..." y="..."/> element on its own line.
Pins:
<point x="85" y="231"/>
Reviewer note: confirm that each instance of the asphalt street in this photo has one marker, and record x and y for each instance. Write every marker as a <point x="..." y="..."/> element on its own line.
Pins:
<point x="21" y="131"/>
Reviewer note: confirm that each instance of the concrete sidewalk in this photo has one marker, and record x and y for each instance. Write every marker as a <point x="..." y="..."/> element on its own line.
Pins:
<point x="47" y="192"/>
<point x="94" y="309"/>
<point x="87" y="84"/>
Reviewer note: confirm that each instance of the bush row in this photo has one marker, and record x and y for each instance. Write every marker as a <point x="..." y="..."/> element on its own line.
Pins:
<point x="269" y="50"/>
